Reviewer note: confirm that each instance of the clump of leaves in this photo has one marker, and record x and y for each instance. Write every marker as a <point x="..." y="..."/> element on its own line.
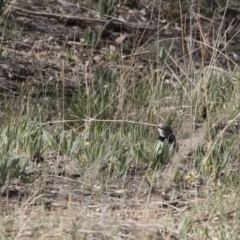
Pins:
<point x="114" y="56"/>
<point x="10" y="168"/>
<point x="65" y="143"/>
<point x="138" y="151"/>
<point x="106" y="7"/>
<point x="11" y="165"/>
<point x="95" y="101"/>
<point x="33" y="142"/>
<point x="214" y="161"/>
<point x="178" y="176"/>
<point x="96" y="155"/>
<point x="161" y="153"/>
<point x="3" y="53"/>
<point x="91" y="37"/>
<point x="70" y="56"/>
<point x="220" y="89"/>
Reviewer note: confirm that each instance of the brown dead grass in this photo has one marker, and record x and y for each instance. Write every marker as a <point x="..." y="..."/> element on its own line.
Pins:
<point x="61" y="205"/>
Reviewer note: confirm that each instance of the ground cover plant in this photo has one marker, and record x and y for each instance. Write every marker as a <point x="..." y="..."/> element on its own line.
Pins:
<point x="83" y="86"/>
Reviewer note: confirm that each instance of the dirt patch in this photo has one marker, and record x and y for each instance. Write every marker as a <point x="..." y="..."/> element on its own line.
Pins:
<point x="48" y="39"/>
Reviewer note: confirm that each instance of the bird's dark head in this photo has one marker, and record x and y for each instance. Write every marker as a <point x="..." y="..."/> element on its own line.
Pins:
<point x="166" y="132"/>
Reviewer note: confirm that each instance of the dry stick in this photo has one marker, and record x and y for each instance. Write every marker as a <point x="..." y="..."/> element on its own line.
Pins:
<point x="88" y="119"/>
<point x="57" y="16"/>
<point x="25" y="12"/>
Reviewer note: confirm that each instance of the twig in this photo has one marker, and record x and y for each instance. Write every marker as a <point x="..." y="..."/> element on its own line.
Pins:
<point x="88" y="119"/>
<point x="21" y="11"/>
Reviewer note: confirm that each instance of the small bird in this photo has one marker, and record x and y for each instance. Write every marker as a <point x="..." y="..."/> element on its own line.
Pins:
<point x="166" y="132"/>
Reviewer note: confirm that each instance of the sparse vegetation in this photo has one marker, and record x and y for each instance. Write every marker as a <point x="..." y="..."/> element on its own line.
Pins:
<point x="79" y="155"/>
<point x="106" y="7"/>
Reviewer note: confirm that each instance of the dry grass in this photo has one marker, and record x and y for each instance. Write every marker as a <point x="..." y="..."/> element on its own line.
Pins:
<point x="78" y="140"/>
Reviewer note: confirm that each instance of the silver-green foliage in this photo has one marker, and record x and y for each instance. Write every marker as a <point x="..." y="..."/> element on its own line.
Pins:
<point x="91" y="37"/>
<point x="161" y="153"/>
<point x="12" y="165"/>
<point x="215" y="160"/>
<point x="64" y="142"/>
<point x="95" y="100"/>
<point x="106" y="7"/>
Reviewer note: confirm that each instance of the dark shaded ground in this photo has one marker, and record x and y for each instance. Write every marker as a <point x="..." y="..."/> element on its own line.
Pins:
<point x="40" y="36"/>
